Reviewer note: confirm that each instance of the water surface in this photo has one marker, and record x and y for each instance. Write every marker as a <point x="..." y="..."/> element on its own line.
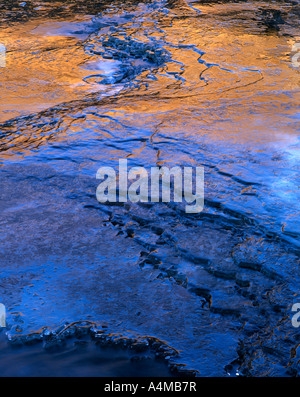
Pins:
<point x="159" y="83"/>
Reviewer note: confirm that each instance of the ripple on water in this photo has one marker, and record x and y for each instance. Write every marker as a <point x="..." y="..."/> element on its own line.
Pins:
<point x="182" y="88"/>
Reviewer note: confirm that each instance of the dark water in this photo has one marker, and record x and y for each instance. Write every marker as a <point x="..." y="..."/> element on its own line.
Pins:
<point x="159" y="83"/>
<point x="77" y="357"/>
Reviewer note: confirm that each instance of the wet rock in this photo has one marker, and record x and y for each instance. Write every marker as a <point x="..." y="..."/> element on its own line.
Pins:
<point x="181" y="370"/>
<point x="230" y="275"/>
<point x="32" y="339"/>
<point x="241" y="282"/>
<point x="189" y="373"/>
<point x="139" y="346"/>
<point x="271" y="18"/>
<point x="250" y="265"/>
<point x="225" y="311"/>
<point x="204" y="293"/>
<point x="135" y="55"/>
<point x="130" y="232"/>
<point x="181" y="279"/>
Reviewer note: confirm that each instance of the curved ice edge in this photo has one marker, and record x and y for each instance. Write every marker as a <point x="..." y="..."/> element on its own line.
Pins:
<point x="52" y="338"/>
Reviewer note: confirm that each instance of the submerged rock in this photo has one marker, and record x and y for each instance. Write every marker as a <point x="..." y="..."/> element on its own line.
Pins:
<point x="271" y="18"/>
